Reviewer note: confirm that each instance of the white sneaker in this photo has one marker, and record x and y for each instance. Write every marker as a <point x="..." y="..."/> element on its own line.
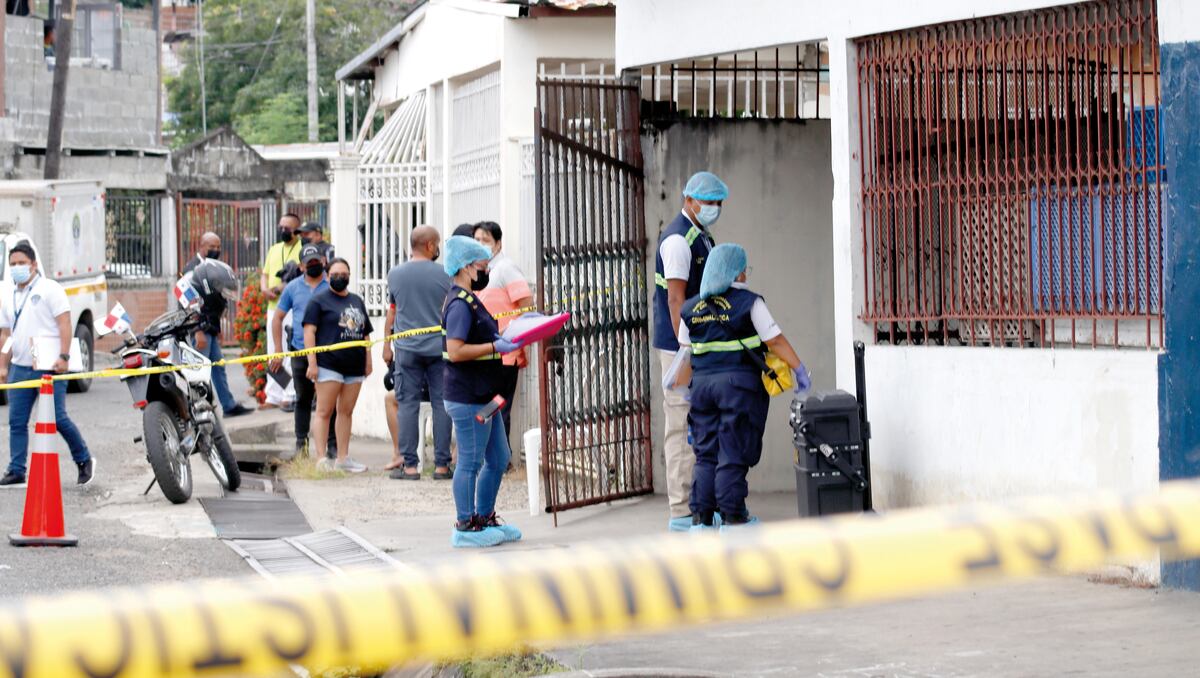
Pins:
<point x="349" y="466"/>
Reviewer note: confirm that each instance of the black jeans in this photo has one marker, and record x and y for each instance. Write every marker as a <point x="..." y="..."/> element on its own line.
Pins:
<point x="306" y="398"/>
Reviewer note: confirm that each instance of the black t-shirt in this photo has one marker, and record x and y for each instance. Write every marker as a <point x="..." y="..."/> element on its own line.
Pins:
<point x="340" y="319"/>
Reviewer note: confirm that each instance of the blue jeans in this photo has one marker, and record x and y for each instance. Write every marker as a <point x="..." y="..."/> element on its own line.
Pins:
<point x="482" y="457"/>
<point x="20" y="406"/>
<point x="219" y="379"/>
<point x="411" y="373"/>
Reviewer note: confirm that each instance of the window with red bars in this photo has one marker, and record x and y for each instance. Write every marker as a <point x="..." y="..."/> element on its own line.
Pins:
<point x="1013" y="179"/>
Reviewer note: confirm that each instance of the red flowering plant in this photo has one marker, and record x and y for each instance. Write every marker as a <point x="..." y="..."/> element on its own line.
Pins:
<point x="250" y="329"/>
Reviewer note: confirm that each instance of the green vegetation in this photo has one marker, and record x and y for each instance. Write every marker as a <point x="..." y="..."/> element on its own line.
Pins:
<point x="523" y="664"/>
<point x="256" y="69"/>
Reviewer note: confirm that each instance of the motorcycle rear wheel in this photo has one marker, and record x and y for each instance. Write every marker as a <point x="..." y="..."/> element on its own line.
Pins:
<point x="172" y="469"/>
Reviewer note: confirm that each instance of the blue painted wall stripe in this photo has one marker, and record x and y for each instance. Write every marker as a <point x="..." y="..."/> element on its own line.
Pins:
<point x="1179" y="365"/>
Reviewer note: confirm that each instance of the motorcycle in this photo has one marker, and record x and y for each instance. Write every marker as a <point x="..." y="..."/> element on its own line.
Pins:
<point x="180" y="417"/>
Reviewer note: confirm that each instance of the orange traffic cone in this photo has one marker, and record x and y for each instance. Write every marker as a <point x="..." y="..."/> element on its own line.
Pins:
<point x="43" y="524"/>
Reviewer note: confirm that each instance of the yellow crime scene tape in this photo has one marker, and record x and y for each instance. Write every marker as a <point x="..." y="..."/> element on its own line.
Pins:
<point x="486" y="604"/>
<point x="266" y="357"/>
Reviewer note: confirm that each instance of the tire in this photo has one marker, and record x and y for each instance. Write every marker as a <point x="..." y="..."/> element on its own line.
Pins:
<point x="221" y="460"/>
<point x="173" y="470"/>
<point x="88" y="353"/>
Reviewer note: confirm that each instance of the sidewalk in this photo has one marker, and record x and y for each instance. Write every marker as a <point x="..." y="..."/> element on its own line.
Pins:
<point x="1053" y="626"/>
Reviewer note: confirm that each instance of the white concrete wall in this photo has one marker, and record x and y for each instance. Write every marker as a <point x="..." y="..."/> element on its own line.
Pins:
<point x="658" y="31"/>
<point x="447" y="43"/>
<point x="965" y="424"/>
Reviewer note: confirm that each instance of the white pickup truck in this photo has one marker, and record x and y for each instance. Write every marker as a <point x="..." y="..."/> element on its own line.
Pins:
<point x="64" y="221"/>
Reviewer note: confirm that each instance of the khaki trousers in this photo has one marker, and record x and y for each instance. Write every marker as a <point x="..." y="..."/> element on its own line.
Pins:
<point x="679" y="456"/>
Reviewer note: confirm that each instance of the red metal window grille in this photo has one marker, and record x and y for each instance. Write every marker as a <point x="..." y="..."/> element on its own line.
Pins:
<point x="1013" y="179"/>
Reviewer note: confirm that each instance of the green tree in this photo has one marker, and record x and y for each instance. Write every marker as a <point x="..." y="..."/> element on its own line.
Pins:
<point x="256" y="71"/>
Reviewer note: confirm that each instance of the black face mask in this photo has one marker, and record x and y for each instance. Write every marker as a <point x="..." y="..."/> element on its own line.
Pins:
<point x="480" y="281"/>
<point x="314" y="269"/>
<point x="339" y="283"/>
<point x="213" y="254"/>
<point x="285" y="235"/>
<point x="437" y="254"/>
<point x="306" y="241"/>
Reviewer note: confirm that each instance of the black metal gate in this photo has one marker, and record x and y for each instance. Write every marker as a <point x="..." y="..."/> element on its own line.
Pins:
<point x="595" y="375"/>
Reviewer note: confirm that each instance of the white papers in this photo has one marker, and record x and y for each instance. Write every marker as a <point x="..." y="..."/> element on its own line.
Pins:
<point x="682" y="357"/>
<point x="45" y="354"/>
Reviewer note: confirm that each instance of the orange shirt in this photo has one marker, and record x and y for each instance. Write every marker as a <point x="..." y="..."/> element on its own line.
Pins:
<point x="506" y="284"/>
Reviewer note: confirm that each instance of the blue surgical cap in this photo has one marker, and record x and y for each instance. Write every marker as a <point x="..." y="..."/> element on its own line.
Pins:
<point x="461" y="251"/>
<point x="725" y="263"/>
<point x="706" y="186"/>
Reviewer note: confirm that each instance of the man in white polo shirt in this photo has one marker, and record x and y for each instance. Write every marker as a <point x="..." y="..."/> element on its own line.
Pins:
<point x="35" y="307"/>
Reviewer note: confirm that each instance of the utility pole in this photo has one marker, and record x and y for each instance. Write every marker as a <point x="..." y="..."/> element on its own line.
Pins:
<point x="203" y="95"/>
<point x="63" y="28"/>
<point x="156" y="14"/>
<point x="311" y="30"/>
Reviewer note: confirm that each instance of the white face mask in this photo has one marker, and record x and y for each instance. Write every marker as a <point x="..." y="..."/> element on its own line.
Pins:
<point x="707" y="215"/>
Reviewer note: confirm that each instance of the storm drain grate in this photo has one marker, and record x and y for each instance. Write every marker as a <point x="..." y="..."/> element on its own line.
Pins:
<point x="335" y="551"/>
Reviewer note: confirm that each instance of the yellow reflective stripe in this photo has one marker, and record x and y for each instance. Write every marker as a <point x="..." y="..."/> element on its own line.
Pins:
<point x="693" y="233"/>
<point x="492" y="356"/>
<point x="660" y="280"/>
<point x="701" y="347"/>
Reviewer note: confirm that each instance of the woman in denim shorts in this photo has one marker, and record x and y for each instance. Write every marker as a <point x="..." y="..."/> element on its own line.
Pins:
<point x="333" y="316"/>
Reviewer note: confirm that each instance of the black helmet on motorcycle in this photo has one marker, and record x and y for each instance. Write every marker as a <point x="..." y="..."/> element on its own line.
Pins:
<point x="213" y="276"/>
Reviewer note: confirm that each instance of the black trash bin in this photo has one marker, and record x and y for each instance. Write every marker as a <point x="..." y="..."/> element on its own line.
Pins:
<point x="830" y="475"/>
<point x="830" y="433"/>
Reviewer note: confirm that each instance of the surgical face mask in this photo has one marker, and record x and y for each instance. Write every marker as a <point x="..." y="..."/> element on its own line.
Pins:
<point x="707" y="215"/>
<point x="480" y="281"/>
<point x="20" y="273"/>
<point x="213" y="254"/>
<point x="339" y="283"/>
<point x="314" y="269"/>
<point x="285" y="235"/>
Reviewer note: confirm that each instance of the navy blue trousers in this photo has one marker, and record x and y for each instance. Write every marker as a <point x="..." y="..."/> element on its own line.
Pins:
<point x="728" y="416"/>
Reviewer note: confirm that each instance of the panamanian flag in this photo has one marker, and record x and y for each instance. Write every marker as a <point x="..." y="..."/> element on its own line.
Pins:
<point x="117" y="320"/>
<point x="185" y="294"/>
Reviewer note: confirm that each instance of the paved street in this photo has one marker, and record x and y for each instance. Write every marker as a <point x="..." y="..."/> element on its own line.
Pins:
<point x="124" y="538"/>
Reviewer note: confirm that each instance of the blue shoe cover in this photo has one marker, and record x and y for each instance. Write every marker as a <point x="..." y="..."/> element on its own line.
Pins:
<point x="489" y="536"/>
<point x="702" y="528"/>
<point x="683" y="524"/>
<point x="510" y="532"/>
<point x="737" y="526"/>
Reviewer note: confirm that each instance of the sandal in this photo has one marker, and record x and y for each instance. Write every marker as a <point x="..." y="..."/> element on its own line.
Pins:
<point x="394" y="464"/>
<point x="400" y="474"/>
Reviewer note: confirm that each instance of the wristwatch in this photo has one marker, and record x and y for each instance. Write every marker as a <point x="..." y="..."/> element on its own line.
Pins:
<point x="64" y="356"/>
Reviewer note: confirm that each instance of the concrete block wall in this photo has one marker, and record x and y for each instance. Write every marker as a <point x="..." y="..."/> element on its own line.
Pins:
<point x="105" y="108"/>
<point x="145" y="300"/>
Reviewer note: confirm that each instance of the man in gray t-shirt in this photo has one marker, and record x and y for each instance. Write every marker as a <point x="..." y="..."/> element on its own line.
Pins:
<point x="416" y="291"/>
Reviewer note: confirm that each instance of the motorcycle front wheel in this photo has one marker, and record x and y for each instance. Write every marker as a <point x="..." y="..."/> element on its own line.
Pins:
<point x="221" y="460"/>
<point x="161" y="429"/>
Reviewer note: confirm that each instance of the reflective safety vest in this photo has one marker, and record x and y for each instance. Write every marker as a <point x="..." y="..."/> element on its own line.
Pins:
<point x="721" y="329"/>
<point x="701" y="243"/>
<point x="472" y="381"/>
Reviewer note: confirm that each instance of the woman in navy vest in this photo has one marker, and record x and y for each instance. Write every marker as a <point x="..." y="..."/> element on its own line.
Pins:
<point x="472" y="348"/>
<point x="724" y="325"/>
